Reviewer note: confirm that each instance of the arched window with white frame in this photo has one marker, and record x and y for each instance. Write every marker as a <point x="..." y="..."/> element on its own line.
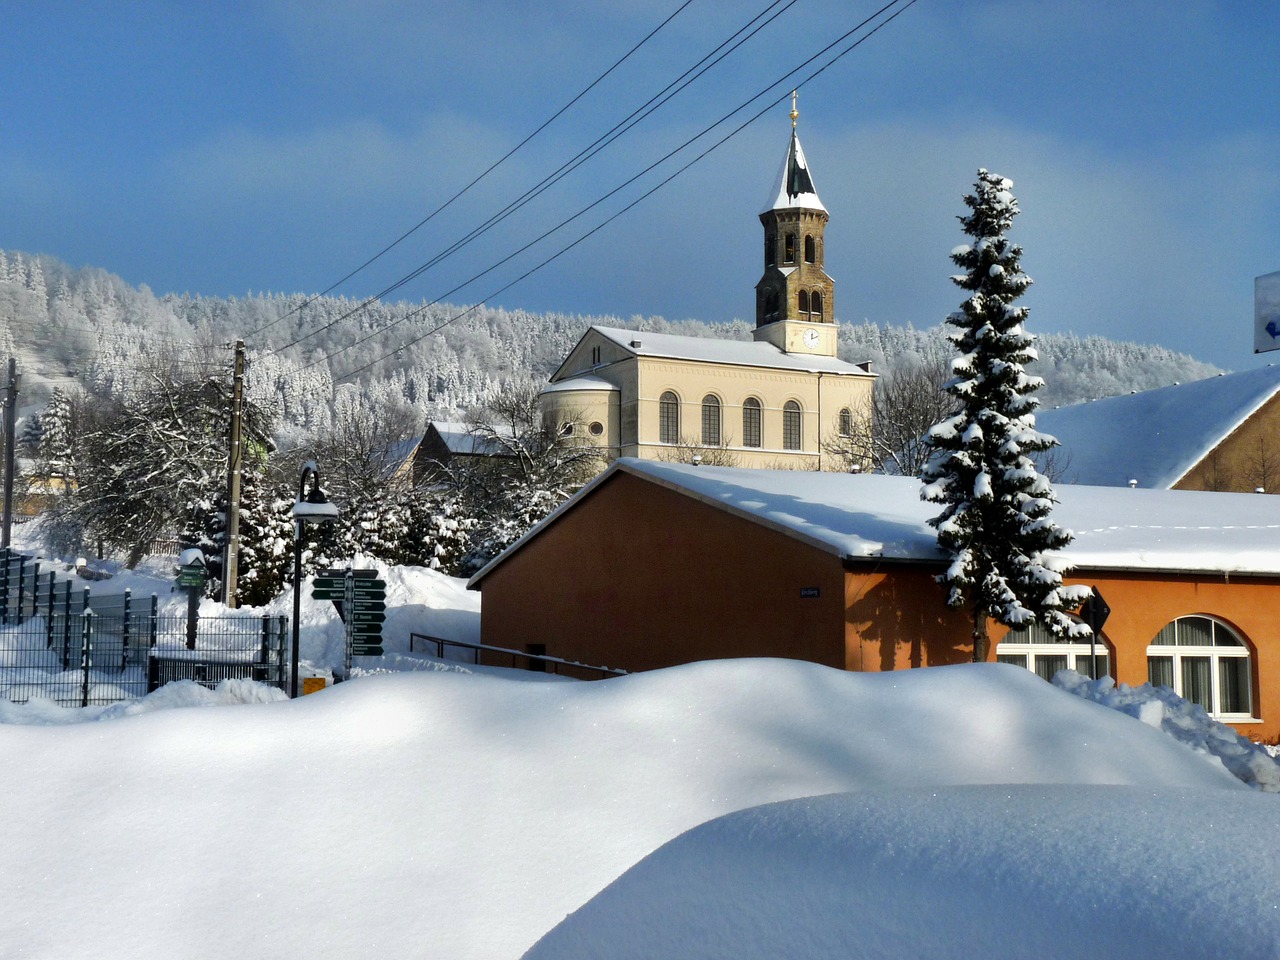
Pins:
<point x="669" y="418"/>
<point x="1044" y="654"/>
<point x="711" y="420"/>
<point x="1203" y="660"/>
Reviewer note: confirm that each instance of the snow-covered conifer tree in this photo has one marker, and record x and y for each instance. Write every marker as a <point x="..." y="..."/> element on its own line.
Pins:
<point x="995" y="524"/>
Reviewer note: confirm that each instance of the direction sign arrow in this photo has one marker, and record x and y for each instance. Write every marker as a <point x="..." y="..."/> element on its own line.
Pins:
<point x="328" y="595"/>
<point x="330" y="581"/>
<point x="367" y="616"/>
<point x="366" y="651"/>
<point x="370" y="598"/>
<point x="361" y="605"/>
<point x="370" y="586"/>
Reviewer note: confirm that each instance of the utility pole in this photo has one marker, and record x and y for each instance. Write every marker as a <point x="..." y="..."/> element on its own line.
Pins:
<point x="10" y="445"/>
<point x="231" y="568"/>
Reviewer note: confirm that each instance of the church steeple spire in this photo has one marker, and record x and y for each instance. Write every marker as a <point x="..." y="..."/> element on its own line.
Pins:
<point x="794" y="298"/>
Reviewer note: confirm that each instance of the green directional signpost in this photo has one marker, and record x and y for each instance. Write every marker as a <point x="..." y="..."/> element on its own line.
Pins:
<point x="361" y="599"/>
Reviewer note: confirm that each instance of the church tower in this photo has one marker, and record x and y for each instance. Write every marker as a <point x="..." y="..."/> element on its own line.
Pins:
<point x="795" y="308"/>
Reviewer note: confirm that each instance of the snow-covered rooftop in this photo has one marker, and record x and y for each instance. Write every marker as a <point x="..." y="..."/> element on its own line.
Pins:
<point x="588" y="382"/>
<point x="795" y="183"/>
<point x="747" y="353"/>
<point x="461" y="438"/>
<point x="1155" y="436"/>
<point x="872" y="516"/>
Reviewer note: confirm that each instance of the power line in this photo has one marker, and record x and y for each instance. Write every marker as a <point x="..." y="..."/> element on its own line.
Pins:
<point x="421" y="223"/>
<point x="700" y="67"/>
<point x="633" y="203"/>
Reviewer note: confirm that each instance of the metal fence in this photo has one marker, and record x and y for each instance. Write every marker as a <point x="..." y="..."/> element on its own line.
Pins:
<point x="60" y="641"/>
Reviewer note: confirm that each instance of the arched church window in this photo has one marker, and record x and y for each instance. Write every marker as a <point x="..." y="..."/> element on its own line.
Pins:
<point x="804" y="302"/>
<point x="1203" y="660"/>
<point x="791" y="437"/>
<point x="711" y="420"/>
<point x="789" y="249"/>
<point x="668" y="418"/>
<point x="846" y="422"/>
<point x="815" y="304"/>
<point x="810" y="249"/>
<point x="770" y="250"/>
<point x="751" y="422"/>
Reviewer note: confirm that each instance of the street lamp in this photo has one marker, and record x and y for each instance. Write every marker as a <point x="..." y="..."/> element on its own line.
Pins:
<point x="311" y="507"/>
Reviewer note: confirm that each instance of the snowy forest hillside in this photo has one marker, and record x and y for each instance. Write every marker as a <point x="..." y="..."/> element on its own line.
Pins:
<point x="91" y="327"/>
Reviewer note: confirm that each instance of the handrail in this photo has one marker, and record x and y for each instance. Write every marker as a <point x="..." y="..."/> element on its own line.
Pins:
<point x="556" y="662"/>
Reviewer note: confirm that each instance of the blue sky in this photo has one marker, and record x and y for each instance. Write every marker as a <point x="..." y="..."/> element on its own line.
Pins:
<point x="223" y="148"/>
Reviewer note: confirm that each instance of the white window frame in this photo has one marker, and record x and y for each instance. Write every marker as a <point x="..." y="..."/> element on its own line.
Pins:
<point x="1231" y="646"/>
<point x="669" y="417"/>
<point x="1040" y="642"/>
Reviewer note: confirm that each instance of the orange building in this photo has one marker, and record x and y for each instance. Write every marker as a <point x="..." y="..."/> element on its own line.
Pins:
<point x="654" y="564"/>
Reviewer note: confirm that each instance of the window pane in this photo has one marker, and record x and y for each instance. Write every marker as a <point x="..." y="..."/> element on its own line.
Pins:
<point x="751" y="423"/>
<point x="1017" y="659"/>
<point x="710" y="421"/>
<point x="1165" y="637"/>
<point x="1195" y="632"/>
<point x="1049" y="664"/>
<point x="1084" y="664"/>
<point x="1233" y="685"/>
<point x="1160" y="671"/>
<point x="1197" y="681"/>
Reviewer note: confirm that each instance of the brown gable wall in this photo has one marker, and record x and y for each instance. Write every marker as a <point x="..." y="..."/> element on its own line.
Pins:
<point x="1247" y="459"/>
<point x="637" y="576"/>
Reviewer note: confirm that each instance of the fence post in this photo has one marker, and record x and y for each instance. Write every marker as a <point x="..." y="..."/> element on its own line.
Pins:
<point x="124" y="630"/>
<point x="22" y="582"/>
<point x="66" y="625"/>
<point x="4" y="585"/>
<point x="86" y="645"/>
<point x="48" y="613"/>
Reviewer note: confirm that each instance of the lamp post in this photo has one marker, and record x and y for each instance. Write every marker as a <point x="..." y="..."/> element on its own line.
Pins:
<point x="311" y="507"/>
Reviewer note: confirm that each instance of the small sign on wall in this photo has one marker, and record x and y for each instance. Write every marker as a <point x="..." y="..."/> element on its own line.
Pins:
<point x="808" y="593"/>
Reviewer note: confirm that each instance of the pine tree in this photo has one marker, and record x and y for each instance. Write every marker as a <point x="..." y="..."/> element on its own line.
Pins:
<point x="996" y="523"/>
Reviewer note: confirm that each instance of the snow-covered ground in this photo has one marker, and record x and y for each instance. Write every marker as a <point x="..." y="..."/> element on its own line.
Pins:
<point x="456" y="815"/>
<point x="741" y="809"/>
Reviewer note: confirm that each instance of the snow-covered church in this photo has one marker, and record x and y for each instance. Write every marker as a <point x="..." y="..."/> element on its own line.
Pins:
<point x="783" y="399"/>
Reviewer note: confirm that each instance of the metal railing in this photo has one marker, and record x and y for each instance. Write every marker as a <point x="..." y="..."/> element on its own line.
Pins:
<point x="470" y="653"/>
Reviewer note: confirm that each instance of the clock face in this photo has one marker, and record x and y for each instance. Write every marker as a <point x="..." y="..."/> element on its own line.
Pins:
<point x="811" y="338"/>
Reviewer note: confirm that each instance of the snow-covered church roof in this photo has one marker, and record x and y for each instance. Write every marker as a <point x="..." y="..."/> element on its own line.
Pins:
<point x="1156" y="436"/>
<point x="747" y="353"/>
<point x="869" y="516"/>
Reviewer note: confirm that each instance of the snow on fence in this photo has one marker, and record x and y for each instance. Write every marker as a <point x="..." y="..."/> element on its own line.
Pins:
<point x="65" y="644"/>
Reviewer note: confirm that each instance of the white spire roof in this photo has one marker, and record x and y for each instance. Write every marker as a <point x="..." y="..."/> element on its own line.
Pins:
<point x="795" y="185"/>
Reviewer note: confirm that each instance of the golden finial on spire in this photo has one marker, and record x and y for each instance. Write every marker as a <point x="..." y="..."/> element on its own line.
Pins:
<point x="794" y="112"/>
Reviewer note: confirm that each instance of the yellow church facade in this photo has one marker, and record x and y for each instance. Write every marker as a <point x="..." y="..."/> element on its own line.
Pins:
<point x="781" y="400"/>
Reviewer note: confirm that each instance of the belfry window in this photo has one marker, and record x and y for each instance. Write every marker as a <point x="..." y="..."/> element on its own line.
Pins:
<point x="770" y="250"/>
<point x="668" y="418"/>
<point x="789" y="249"/>
<point x="815" y="304"/>
<point x="711" y="420"/>
<point x="770" y="305"/>
<point x="804" y="302"/>
<point x="810" y="249"/>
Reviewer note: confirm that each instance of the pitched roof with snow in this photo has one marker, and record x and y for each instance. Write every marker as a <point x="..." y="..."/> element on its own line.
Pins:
<point x="795" y="184"/>
<point x="1155" y="436"/>
<point x="747" y="353"/>
<point x="868" y="516"/>
<point x="462" y="438"/>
